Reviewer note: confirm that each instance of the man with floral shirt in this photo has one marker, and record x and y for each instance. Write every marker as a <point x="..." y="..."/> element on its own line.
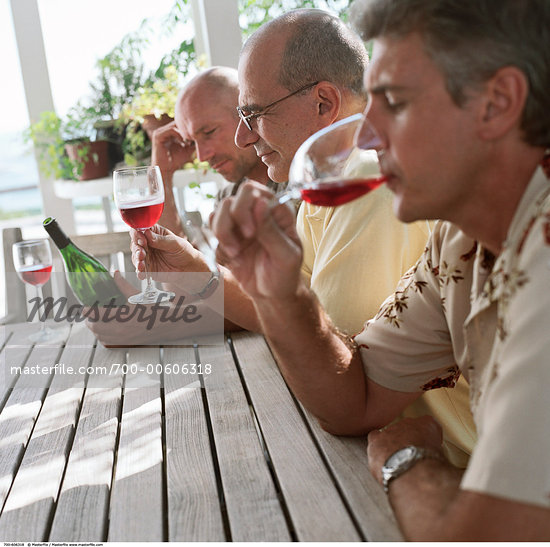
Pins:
<point x="459" y="95"/>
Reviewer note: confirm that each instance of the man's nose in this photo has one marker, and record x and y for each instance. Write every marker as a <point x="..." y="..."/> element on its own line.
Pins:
<point x="370" y="135"/>
<point x="244" y="137"/>
<point x="204" y="151"/>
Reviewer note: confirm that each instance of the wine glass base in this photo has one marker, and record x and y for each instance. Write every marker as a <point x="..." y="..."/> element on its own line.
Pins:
<point x="49" y="336"/>
<point x="151" y="297"/>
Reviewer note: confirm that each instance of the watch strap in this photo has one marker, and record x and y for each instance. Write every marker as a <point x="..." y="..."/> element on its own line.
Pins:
<point x="417" y="453"/>
<point x="208" y="290"/>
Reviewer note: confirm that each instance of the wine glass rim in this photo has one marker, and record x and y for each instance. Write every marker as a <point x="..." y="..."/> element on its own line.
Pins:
<point x="294" y="174"/>
<point x="330" y="128"/>
<point x="135" y="169"/>
<point x="29" y="242"/>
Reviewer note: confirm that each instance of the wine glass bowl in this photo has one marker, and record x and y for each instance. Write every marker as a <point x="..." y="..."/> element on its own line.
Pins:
<point x="139" y="197"/>
<point x="336" y="165"/>
<point x="33" y="263"/>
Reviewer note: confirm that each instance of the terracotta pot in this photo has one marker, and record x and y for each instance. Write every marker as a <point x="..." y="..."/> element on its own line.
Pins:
<point x="151" y="122"/>
<point x="106" y="130"/>
<point x="97" y="165"/>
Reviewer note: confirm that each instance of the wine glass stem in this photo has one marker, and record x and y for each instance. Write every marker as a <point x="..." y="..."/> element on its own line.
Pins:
<point x="40" y="296"/>
<point x="149" y="286"/>
<point x="286" y="196"/>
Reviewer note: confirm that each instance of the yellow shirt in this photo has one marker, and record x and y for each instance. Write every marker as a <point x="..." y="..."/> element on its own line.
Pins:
<point x="354" y="256"/>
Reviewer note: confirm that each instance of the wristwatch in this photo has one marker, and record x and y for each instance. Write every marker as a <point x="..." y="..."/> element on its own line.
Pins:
<point x="210" y="286"/>
<point x="403" y="459"/>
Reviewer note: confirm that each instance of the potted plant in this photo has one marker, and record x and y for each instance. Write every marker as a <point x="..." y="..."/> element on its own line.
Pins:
<point x="121" y="75"/>
<point x="65" y="148"/>
<point x="152" y="106"/>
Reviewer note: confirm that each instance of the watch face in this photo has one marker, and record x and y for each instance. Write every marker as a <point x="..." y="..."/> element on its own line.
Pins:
<point x="400" y="457"/>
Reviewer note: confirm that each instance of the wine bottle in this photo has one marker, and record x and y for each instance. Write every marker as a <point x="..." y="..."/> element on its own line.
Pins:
<point x="88" y="278"/>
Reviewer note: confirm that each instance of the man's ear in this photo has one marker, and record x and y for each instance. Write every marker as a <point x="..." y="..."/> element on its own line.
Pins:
<point x="503" y="103"/>
<point x="329" y="102"/>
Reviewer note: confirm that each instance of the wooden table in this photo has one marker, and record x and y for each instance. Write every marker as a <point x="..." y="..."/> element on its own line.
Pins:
<point x="224" y="456"/>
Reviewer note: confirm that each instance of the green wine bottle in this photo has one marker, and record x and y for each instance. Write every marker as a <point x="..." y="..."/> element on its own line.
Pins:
<point x="88" y="278"/>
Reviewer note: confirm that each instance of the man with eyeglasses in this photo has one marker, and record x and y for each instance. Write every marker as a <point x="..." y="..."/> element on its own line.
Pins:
<point x="297" y="74"/>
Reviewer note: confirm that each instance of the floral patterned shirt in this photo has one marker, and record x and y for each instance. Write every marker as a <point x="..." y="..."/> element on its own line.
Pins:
<point x="460" y="310"/>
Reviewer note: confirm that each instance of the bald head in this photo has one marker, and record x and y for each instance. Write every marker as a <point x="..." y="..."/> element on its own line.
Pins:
<point x="308" y="45"/>
<point x="220" y="82"/>
<point x="298" y="73"/>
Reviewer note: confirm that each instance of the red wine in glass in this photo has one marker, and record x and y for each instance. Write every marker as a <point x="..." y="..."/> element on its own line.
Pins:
<point x="139" y="196"/>
<point x="336" y="165"/>
<point x="141" y="215"/>
<point x="35" y="275"/>
<point x="33" y="263"/>
<point x="338" y="192"/>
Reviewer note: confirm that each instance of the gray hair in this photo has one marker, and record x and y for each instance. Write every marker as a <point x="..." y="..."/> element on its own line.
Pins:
<point x="470" y="40"/>
<point x="319" y="47"/>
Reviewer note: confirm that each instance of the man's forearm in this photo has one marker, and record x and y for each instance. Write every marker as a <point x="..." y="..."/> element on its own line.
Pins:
<point x="239" y="310"/>
<point x="319" y="365"/>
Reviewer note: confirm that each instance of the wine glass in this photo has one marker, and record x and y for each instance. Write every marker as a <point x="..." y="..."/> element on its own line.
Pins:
<point x="336" y="165"/>
<point x="139" y="196"/>
<point x="33" y="263"/>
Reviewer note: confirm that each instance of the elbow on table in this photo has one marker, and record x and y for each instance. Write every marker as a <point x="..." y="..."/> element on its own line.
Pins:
<point x="345" y="428"/>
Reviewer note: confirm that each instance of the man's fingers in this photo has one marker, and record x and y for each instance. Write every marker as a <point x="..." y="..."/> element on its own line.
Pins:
<point x="271" y="235"/>
<point x="168" y="131"/>
<point x="225" y="229"/>
<point x="285" y="219"/>
<point x="243" y="205"/>
<point x="234" y="222"/>
<point x="135" y="237"/>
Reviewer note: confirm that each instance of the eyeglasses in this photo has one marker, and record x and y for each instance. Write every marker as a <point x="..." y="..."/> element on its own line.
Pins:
<point x="247" y="117"/>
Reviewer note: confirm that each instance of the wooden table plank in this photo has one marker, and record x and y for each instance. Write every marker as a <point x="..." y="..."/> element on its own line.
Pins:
<point x="15" y="350"/>
<point x="253" y="507"/>
<point x="218" y="476"/>
<point x="194" y="512"/>
<point x="23" y="403"/>
<point x="138" y="492"/>
<point x="29" y="507"/>
<point x="82" y="510"/>
<point x="347" y="457"/>
<point x="319" y="513"/>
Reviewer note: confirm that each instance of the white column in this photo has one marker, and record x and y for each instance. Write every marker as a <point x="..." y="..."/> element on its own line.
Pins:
<point x="36" y="82"/>
<point x="217" y="30"/>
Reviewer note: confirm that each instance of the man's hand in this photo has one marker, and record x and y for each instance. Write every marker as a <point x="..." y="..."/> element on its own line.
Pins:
<point x="131" y="324"/>
<point x="110" y="334"/>
<point x="258" y="242"/>
<point x="165" y="252"/>
<point x="170" y="151"/>
<point x="430" y="505"/>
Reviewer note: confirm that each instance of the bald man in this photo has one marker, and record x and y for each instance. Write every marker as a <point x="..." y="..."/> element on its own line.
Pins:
<point x="204" y="126"/>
